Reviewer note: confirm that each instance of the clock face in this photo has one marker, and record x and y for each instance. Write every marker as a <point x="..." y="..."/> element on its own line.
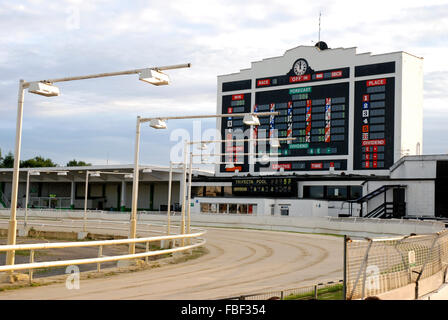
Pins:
<point x="300" y="67"/>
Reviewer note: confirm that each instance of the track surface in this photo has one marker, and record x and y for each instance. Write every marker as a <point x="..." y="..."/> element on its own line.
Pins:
<point x="239" y="262"/>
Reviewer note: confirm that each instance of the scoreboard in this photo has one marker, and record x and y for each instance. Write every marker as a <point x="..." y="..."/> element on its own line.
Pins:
<point x="346" y="111"/>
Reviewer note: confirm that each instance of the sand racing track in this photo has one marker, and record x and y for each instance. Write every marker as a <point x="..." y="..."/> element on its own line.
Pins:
<point x="239" y="262"/>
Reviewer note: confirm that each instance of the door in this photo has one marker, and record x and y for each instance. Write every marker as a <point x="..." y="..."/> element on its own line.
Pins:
<point x="399" y="203"/>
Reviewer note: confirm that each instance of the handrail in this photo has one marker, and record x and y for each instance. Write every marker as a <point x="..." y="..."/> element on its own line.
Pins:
<point x="37" y="265"/>
<point x="98" y="243"/>
<point x="54" y="245"/>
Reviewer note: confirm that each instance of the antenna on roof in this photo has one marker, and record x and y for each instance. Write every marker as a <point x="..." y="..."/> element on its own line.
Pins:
<point x="320" y="14"/>
<point x="320" y="44"/>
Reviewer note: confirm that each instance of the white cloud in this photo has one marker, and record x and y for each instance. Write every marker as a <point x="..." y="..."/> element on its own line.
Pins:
<point x="216" y="36"/>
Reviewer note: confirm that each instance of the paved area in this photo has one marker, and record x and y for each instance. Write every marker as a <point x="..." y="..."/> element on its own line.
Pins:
<point x="239" y="262"/>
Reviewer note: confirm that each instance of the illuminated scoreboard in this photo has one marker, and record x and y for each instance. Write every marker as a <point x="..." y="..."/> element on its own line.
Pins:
<point x="348" y="112"/>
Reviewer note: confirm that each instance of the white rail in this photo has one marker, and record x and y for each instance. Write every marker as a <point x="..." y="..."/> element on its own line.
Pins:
<point x="100" y="259"/>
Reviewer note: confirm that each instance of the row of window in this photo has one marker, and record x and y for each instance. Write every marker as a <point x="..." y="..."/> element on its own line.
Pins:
<point x="332" y="192"/>
<point x="228" y="208"/>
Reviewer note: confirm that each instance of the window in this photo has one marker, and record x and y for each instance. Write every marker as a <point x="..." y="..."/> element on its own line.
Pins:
<point x="227" y="191"/>
<point x="337" y="192"/>
<point x="212" y="191"/>
<point x="197" y="192"/>
<point x="284" y="210"/>
<point x="355" y="192"/>
<point x="205" y="207"/>
<point x="213" y="207"/>
<point x="232" y="208"/>
<point x="313" y="192"/>
<point x="223" y="208"/>
<point x="242" y="209"/>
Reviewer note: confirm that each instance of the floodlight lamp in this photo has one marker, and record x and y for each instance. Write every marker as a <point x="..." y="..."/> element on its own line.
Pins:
<point x="154" y="77"/>
<point x="43" y="89"/>
<point x="157" y="124"/>
<point x="275" y="143"/>
<point x="62" y="173"/>
<point x="34" y="173"/>
<point x="202" y="146"/>
<point x="230" y="165"/>
<point x="147" y="170"/>
<point x="129" y="175"/>
<point x="251" y="120"/>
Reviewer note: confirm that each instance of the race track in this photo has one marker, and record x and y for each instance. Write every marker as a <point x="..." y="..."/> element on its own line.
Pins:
<point x="239" y="262"/>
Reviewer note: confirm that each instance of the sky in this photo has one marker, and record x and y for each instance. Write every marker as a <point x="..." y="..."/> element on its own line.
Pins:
<point x="94" y="120"/>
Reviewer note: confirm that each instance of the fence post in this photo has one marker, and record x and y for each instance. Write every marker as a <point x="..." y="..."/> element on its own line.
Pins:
<point x="147" y="249"/>
<point x="424" y="265"/>
<point x="31" y="270"/>
<point x="344" y="286"/>
<point x="281" y="295"/>
<point x="315" y="291"/>
<point x="361" y="269"/>
<point x="100" y="254"/>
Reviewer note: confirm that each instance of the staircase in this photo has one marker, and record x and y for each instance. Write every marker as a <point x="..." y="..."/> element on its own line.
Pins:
<point x="387" y="209"/>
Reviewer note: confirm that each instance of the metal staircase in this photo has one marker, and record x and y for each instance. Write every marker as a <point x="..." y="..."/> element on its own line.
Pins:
<point x="387" y="209"/>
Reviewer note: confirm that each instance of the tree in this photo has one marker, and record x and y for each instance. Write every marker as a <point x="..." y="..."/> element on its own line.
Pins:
<point x="7" y="161"/>
<point x="75" y="163"/>
<point x="37" y="162"/>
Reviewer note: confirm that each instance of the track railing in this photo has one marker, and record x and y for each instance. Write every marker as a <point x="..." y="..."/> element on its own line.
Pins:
<point x="194" y="241"/>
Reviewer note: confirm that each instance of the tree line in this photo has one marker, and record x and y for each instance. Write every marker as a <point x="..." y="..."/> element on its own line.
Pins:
<point x="37" y="162"/>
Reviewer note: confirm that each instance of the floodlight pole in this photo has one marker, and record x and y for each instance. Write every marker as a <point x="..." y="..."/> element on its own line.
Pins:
<point x="84" y="228"/>
<point x="184" y="179"/>
<point x="189" y="194"/>
<point x="168" y="218"/>
<point x="133" y="218"/>
<point x="12" y="229"/>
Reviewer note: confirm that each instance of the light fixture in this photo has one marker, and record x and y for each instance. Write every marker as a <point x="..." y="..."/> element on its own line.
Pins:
<point x="34" y="173"/>
<point x="154" y="77"/>
<point x="203" y="146"/>
<point x="275" y="143"/>
<point x="43" y="89"/>
<point x="264" y="158"/>
<point x="157" y="124"/>
<point x="129" y="175"/>
<point x="251" y="120"/>
<point x="62" y="173"/>
<point x="147" y="170"/>
<point x="230" y="165"/>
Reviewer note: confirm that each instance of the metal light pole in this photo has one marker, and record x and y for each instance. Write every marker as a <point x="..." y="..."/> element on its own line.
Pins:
<point x="84" y="228"/>
<point x="45" y="88"/>
<point x="184" y="186"/>
<point x="12" y="228"/>
<point x="133" y="221"/>
<point x="189" y="195"/>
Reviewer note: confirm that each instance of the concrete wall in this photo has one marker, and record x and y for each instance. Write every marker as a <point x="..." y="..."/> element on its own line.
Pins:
<point x="353" y="227"/>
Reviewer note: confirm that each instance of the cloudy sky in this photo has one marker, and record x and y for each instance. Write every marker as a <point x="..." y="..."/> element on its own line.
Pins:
<point x="94" y="120"/>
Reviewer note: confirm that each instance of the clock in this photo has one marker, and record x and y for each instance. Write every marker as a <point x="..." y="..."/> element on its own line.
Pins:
<point x="300" y="67"/>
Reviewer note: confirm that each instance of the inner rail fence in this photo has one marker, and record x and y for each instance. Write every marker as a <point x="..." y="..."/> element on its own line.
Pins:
<point x="332" y="290"/>
<point x="193" y="240"/>
<point x="398" y="268"/>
